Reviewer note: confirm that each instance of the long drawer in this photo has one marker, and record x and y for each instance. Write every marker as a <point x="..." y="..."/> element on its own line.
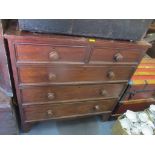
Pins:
<point x="75" y="92"/>
<point x="86" y="74"/>
<point x="49" y="111"/>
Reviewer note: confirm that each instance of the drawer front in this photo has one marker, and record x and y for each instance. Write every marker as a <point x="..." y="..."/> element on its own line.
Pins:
<point x="139" y="95"/>
<point x="49" y="111"/>
<point x="79" y="92"/>
<point x="142" y="87"/>
<point x="50" y="53"/>
<point x="58" y="74"/>
<point x="135" y="92"/>
<point x="105" y="55"/>
<point x="134" y="105"/>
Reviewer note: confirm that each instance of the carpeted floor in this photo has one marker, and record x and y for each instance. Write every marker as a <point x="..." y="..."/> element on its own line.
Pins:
<point x="84" y="126"/>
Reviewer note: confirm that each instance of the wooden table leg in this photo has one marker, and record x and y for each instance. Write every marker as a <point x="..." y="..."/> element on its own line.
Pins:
<point x="105" y="117"/>
<point x="26" y="127"/>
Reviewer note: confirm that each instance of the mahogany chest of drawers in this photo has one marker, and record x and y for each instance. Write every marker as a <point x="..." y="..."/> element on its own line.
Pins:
<point x="60" y="77"/>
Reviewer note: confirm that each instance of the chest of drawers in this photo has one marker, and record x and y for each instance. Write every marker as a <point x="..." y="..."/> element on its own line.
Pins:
<point x="60" y="77"/>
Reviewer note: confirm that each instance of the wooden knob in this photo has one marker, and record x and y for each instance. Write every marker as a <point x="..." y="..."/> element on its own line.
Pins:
<point x="103" y="92"/>
<point x="51" y="76"/>
<point x="96" y="107"/>
<point x="111" y="75"/>
<point x="153" y="94"/>
<point x="51" y="96"/>
<point x="50" y="113"/>
<point x="118" y="57"/>
<point x="53" y="55"/>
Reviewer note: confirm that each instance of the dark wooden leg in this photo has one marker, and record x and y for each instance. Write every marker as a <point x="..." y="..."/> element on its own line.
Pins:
<point x="105" y="117"/>
<point x="26" y="127"/>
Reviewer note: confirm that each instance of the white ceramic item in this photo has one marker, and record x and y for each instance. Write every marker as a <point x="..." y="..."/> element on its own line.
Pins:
<point x="143" y="117"/>
<point x="125" y="123"/>
<point x="132" y="116"/>
<point x="137" y="125"/>
<point x="149" y="123"/>
<point x="135" y="131"/>
<point x="152" y="109"/>
<point x="146" y="130"/>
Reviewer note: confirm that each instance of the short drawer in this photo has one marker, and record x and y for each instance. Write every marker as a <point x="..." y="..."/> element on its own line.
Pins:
<point x="49" y="111"/>
<point x="107" y="55"/>
<point x="61" y="74"/>
<point x="47" y="53"/>
<point x="75" y="92"/>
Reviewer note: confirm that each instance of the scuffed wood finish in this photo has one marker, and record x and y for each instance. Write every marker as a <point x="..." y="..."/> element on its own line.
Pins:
<point x="47" y="111"/>
<point x="86" y="74"/>
<point x="64" y="53"/>
<point x="59" y="77"/>
<point x="119" y="56"/>
<point x="64" y="73"/>
<point x="41" y="53"/>
<point x="71" y="92"/>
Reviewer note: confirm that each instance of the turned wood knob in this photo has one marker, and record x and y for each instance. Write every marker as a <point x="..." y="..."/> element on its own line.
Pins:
<point x="153" y="94"/>
<point x="51" y="76"/>
<point x="96" y="107"/>
<point x="53" y="55"/>
<point x="51" y="96"/>
<point x="111" y="75"/>
<point x="118" y="57"/>
<point x="103" y="92"/>
<point x="50" y="113"/>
